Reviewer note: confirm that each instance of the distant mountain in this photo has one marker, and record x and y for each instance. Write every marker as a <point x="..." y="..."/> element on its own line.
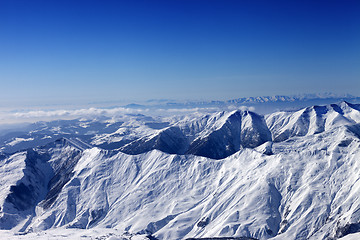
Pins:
<point x="262" y="104"/>
<point x="293" y="98"/>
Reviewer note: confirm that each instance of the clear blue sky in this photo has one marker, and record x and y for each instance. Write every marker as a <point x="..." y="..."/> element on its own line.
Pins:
<point x="181" y="49"/>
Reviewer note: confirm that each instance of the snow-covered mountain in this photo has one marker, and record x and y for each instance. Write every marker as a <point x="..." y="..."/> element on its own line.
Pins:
<point x="312" y="120"/>
<point x="286" y="175"/>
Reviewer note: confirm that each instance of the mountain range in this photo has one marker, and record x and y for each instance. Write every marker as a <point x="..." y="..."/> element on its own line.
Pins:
<point x="263" y="104"/>
<point x="240" y="174"/>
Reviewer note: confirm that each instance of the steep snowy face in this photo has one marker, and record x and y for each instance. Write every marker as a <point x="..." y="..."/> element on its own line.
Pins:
<point x="219" y="138"/>
<point x="170" y="140"/>
<point x="228" y="134"/>
<point x="311" y="120"/>
<point x="32" y="176"/>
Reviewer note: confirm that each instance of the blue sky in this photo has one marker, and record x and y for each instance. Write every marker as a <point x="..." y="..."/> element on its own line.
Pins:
<point x="78" y="51"/>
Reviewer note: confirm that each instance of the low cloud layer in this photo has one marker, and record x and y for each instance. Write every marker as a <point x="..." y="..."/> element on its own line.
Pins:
<point x="15" y="117"/>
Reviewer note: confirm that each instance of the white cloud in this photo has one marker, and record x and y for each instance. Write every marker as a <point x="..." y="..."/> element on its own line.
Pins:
<point x="89" y="113"/>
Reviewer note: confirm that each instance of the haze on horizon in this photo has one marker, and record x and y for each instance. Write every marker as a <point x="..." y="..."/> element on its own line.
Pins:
<point x="70" y="52"/>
